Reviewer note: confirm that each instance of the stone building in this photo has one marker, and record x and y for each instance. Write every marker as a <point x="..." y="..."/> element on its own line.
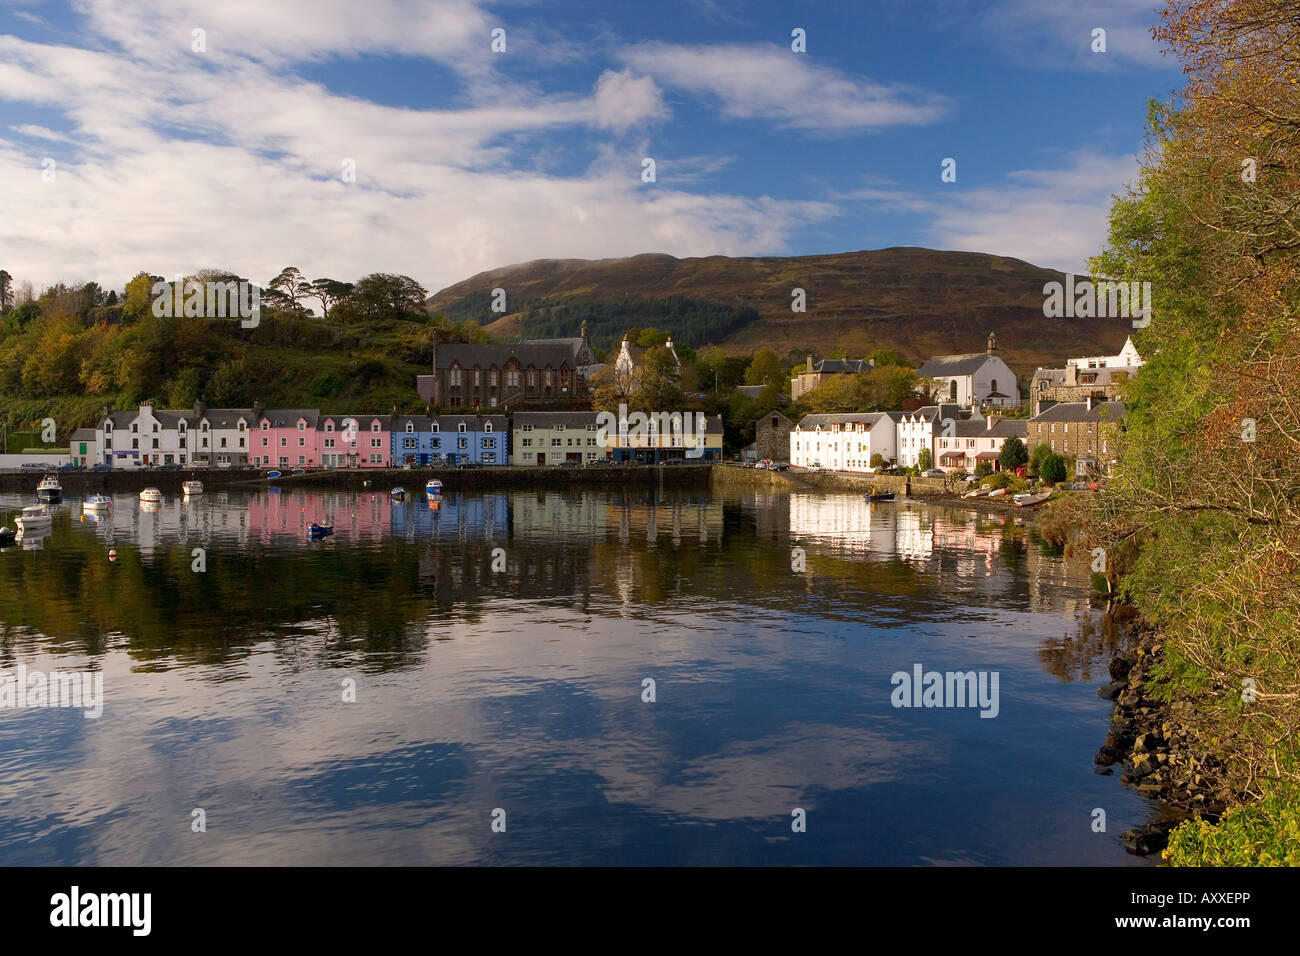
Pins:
<point x="468" y="375"/>
<point x="1085" y="431"/>
<point x="810" y="376"/>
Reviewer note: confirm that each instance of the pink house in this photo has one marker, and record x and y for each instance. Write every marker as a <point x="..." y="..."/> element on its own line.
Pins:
<point x="354" y="441"/>
<point x="285" y="438"/>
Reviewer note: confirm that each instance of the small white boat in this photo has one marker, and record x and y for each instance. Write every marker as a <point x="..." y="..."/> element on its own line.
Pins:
<point x="997" y="493"/>
<point x="49" y="489"/>
<point x="398" y="493"/>
<point x="1029" y="501"/>
<point x="192" y="488"/>
<point x="33" y="518"/>
<point x="433" y="487"/>
<point x="97" y="503"/>
<point x="976" y="493"/>
<point x="152" y="495"/>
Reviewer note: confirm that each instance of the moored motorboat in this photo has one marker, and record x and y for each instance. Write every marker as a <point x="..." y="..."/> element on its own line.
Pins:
<point x="976" y="493"/>
<point x="151" y="495"/>
<point x="97" y="503"/>
<point x="997" y="492"/>
<point x="880" y="496"/>
<point x="271" y="475"/>
<point x="433" y="487"/>
<point x="192" y="488"/>
<point x="398" y="493"/>
<point x="7" y="537"/>
<point x="49" y="489"/>
<point x="33" y="517"/>
<point x="315" y="530"/>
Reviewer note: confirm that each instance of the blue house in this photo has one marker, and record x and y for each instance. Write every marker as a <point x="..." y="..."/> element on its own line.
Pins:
<point x="422" y="440"/>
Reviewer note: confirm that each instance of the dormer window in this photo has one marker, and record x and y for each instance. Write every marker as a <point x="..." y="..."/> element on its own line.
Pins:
<point x="329" y="426"/>
<point x="460" y="426"/>
<point x="487" y="426"/>
<point x="302" y="426"/>
<point x="203" y="426"/>
<point x="410" y="427"/>
<point x="374" y="426"/>
<point x="434" y="427"/>
<point x="266" y="426"/>
<point x="134" y="427"/>
<point x="240" y="426"/>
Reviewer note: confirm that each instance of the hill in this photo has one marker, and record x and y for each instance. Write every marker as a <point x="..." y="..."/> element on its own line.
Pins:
<point x="919" y="302"/>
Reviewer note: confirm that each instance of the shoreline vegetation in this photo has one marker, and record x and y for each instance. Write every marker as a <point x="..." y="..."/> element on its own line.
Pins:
<point x="1199" y="522"/>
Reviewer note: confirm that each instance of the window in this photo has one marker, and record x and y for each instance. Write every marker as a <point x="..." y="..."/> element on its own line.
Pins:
<point x="460" y="426"/>
<point x="410" y="427"/>
<point x="526" y="442"/>
<point x="204" y="442"/>
<point x="525" y="428"/>
<point x="302" y="443"/>
<point x="532" y="377"/>
<point x="512" y="377"/>
<point x="240" y="426"/>
<point x="374" y="426"/>
<point x="434" y="428"/>
<point x="266" y="425"/>
<point x="488" y="443"/>
<point x="453" y="376"/>
<point x="329" y="427"/>
<point x="487" y="426"/>
<point x="478" y="377"/>
<point x="155" y="443"/>
<point x="134" y="428"/>
<point x="329" y="442"/>
<point x="135" y="443"/>
<point x="263" y="442"/>
<point x="437" y="442"/>
<point x="302" y="459"/>
<point x="555" y="443"/>
<point x="284" y="442"/>
<point x="489" y="458"/>
<point x="376" y="443"/>
<point x="301" y="425"/>
<point x="376" y="459"/>
<point x="559" y="428"/>
<point x="462" y="442"/>
<point x="410" y="443"/>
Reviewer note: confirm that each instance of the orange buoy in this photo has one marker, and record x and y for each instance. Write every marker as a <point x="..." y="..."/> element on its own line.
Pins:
<point x="112" y="554"/>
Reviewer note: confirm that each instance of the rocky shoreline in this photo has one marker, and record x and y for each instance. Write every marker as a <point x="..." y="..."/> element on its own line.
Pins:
<point x="1156" y="751"/>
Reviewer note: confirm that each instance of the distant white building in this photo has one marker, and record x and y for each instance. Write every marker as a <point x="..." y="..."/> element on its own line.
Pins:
<point x="973" y="379"/>
<point x="1127" y="358"/>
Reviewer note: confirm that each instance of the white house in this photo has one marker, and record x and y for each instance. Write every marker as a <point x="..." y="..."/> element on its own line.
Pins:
<point x="974" y="379"/>
<point x="917" y="430"/>
<point x="844" y="441"/>
<point x="130" y="439"/>
<point x="1127" y="358"/>
<point x="969" y="441"/>
<point x="219" y="437"/>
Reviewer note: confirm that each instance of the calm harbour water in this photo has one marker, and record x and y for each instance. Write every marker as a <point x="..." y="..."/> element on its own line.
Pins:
<point x="522" y="688"/>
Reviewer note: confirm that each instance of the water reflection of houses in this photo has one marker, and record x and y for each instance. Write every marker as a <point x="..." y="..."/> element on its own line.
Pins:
<point x="276" y="513"/>
<point x="482" y="516"/>
<point x="697" y="519"/>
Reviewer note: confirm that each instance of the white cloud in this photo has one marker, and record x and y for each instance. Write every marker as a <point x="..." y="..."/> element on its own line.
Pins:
<point x="175" y="161"/>
<point x="1055" y="217"/>
<point x="1059" y="36"/>
<point x="772" y="83"/>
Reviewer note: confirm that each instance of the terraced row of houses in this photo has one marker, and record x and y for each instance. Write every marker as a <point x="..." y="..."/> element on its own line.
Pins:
<point x="277" y="438"/>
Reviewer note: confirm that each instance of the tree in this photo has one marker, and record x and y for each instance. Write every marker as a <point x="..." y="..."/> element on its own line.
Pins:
<point x="925" y="460"/>
<point x="658" y="385"/>
<point x="327" y="292"/>
<point x="983" y="468"/>
<point x="385" y="296"/>
<point x="286" y="288"/>
<point x="1041" y="451"/>
<point x="764" y="369"/>
<point x="6" y="290"/>
<point x="882" y="358"/>
<point x="877" y="460"/>
<point x="1013" y="455"/>
<point x="1053" y="469"/>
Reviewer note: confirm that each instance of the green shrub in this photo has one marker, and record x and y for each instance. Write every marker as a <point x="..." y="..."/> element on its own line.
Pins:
<point x="1265" y="833"/>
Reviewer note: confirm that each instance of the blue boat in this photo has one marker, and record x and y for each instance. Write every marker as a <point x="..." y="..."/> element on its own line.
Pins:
<point x="398" y="493"/>
<point x="272" y="475"/>
<point x="49" y="490"/>
<point x="433" y="487"/>
<point x="316" y="531"/>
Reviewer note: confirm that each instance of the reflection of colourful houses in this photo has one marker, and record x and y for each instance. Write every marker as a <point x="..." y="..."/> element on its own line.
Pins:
<point x="485" y="516"/>
<point x="286" y="438"/>
<point x="281" y="511"/>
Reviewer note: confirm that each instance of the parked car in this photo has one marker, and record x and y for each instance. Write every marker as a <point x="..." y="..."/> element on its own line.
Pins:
<point x="570" y="463"/>
<point x="599" y="463"/>
<point x="70" y="466"/>
<point x="100" y="467"/>
<point x="779" y="466"/>
<point x="37" y="466"/>
<point x="934" y="473"/>
<point x="171" y="466"/>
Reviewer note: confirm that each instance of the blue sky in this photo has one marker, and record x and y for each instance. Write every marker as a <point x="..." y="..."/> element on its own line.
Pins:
<point x="172" y="159"/>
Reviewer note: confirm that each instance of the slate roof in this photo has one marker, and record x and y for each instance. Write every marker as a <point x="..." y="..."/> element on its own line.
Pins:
<point x="826" y="420"/>
<point x="288" y="417"/>
<point x="538" y="355"/>
<point x="224" y="417"/>
<point x="1079" y="412"/>
<point x="979" y="428"/>
<point x="946" y="366"/>
<point x="547" y="419"/>
<point x="847" y="366"/>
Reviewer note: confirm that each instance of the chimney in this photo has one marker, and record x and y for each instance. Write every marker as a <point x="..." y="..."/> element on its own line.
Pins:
<point x="810" y="368"/>
<point x="258" y="408"/>
<point x="992" y="420"/>
<point x="993" y="344"/>
<point x="584" y="331"/>
<point x="1090" y="402"/>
